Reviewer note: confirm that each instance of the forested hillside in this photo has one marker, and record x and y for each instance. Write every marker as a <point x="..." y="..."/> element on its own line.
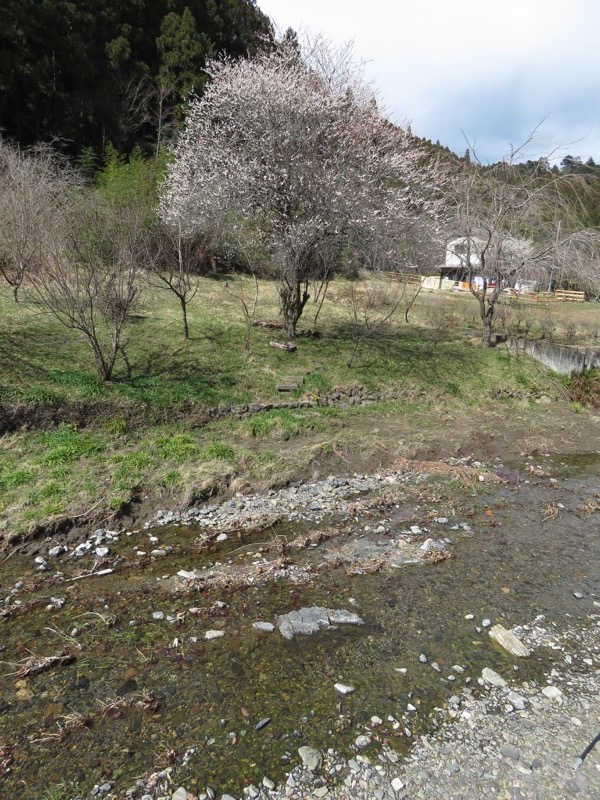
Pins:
<point x="92" y="72"/>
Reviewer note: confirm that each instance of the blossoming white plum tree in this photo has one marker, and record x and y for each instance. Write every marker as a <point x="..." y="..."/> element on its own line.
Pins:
<point x="306" y="165"/>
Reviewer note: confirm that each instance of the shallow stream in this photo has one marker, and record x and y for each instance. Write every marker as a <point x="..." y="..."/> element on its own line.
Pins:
<point x="148" y="692"/>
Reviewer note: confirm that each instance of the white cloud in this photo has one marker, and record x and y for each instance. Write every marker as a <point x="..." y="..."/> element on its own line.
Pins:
<point x="490" y="68"/>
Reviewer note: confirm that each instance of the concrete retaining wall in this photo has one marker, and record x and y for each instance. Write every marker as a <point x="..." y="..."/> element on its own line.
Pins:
<point x="559" y="357"/>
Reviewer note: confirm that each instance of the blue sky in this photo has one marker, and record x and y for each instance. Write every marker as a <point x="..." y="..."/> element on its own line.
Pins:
<point x="486" y="71"/>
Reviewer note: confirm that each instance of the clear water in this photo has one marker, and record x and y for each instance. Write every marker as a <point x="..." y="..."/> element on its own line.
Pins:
<point x="525" y="558"/>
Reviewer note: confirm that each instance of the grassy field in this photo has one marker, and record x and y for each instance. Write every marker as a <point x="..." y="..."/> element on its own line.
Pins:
<point x="144" y="437"/>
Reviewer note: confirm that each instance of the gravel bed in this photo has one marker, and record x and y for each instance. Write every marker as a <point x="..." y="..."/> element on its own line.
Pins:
<point x="511" y="740"/>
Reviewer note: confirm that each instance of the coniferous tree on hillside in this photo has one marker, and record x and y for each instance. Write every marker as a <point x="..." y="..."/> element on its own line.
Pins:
<point x="92" y="72"/>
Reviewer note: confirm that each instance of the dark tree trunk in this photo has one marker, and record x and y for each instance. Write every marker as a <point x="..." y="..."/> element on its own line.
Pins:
<point x="294" y="297"/>
<point x="186" y="330"/>
<point x="487" y="316"/>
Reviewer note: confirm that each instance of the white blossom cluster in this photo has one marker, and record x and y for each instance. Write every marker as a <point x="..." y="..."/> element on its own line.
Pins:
<point x="299" y="160"/>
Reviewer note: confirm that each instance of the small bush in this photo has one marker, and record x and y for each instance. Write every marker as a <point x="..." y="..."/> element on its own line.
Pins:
<point x="570" y="332"/>
<point x="584" y="390"/>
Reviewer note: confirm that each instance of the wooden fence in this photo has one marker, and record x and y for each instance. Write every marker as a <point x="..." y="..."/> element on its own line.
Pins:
<point x="562" y="295"/>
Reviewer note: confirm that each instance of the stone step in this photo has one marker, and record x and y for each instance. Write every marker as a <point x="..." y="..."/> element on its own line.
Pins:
<point x="293" y="382"/>
<point x="287" y="386"/>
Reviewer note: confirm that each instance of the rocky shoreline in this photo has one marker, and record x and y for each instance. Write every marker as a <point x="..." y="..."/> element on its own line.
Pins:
<point x="510" y="739"/>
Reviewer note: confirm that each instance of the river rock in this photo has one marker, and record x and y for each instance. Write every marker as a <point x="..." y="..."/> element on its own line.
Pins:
<point x="552" y="692"/>
<point x="179" y="794"/>
<point x="510" y="751"/>
<point x="311" y="758"/>
<point x="267" y="627"/>
<point x="362" y="741"/>
<point x="187" y="574"/>
<point x="516" y="700"/>
<point x="305" y="621"/>
<point x="342" y="688"/>
<point x="508" y="641"/>
<point x="491" y="677"/>
<point x="214" y="634"/>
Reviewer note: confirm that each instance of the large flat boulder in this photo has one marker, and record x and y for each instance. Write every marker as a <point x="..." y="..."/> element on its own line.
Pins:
<point x="305" y="621"/>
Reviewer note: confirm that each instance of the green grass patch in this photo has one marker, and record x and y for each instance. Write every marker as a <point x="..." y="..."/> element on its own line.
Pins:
<point x="178" y="447"/>
<point x="218" y="451"/>
<point x="283" y="424"/>
<point x="141" y="441"/>
<point x="66" y="444"/>
<point x="86" y="384"/>
<point x="11" y="477"/>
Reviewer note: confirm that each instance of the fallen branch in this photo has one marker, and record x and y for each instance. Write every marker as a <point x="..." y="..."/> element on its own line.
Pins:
<point x="115" y="706"/>
<point x="262" y="323"/>
<point x="90" y="575"/>
<point x="34" y="664"/>
<point x="283" y="345"/>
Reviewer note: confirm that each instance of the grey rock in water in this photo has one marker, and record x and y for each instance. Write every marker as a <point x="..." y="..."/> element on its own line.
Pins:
<point x="305" y="621"/>
<point x="342" y="688"/>
<point x="267" y="627"/>
<point x="508" y="641"/>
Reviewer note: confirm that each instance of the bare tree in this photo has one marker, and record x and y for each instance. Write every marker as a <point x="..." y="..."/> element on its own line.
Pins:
<point x="309" y="164"/>
<point x="33" y="186"/>
<point x="578" y="262"/>
<point x="371" y="303"/>
<point x="91" y="275"/>
<point x="516" y="225"/>
<point x="246" y="298"/>
<point x="176" y="262"/>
